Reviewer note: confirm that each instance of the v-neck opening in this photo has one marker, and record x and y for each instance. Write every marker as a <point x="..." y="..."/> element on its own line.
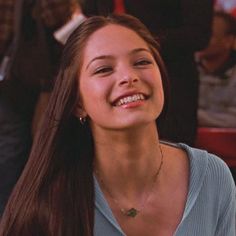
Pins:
<point x="195" y="184"/>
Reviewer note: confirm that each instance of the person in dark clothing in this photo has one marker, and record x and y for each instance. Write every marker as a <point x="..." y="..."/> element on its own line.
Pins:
<point x="21" y="104"/>
<point x="182" y="27"/>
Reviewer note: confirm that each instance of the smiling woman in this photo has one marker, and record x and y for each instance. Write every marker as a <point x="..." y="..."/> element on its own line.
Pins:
<point x="122" y="77"/>
<point x="98" y="166"/>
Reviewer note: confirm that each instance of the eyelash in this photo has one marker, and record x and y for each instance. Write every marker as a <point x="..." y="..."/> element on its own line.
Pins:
<point x="143" y="62"/>
<point x="108" y="69"/>
<point x="103" y="70"/>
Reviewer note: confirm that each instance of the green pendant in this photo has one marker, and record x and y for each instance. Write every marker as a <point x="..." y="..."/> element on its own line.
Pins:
<point x="132" y="212"/>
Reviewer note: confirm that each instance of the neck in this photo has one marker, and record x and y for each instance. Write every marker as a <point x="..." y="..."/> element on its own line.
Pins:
<point x="128" y="160"/>
<point x="214" y="63"/>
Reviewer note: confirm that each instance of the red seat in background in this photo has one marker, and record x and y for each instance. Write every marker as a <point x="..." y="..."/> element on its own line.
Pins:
<point x="220" y="141"/>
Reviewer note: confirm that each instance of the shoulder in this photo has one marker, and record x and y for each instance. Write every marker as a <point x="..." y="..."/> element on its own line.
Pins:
<point x="214" y="164"/>
<point x="211" y="180"/>
<point x="211" y="169"/>
<point x="211" y="194"/>
<point x="206" y="167"/>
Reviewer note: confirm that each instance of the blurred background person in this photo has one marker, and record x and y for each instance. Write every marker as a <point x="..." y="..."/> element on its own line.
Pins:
<point x="228" y="6"/>
<point x="183" y="27"/>
<point x="25" y="92"/>
<point x="217" y="66"/>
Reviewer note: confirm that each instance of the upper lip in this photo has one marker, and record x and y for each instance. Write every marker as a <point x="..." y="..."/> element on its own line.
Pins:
<point x="128" y="94"/>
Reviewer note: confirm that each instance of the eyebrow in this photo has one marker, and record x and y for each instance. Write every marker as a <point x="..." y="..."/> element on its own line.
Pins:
<point x="136" y="50"/>
<point x="102" y="57"/>
<point x="98" y="58"/>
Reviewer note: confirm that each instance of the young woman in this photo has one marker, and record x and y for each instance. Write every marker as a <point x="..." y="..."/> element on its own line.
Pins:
<point x="98" y="166"/>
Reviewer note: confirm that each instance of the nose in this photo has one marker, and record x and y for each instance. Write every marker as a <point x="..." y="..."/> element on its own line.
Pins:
<point x="128" y="78"/>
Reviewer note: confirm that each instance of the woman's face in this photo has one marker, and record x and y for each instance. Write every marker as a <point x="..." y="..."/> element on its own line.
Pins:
<point x="120" y="83"/>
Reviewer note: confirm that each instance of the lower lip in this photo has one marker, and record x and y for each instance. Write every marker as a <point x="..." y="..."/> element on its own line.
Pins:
<point x="133" y="104"/>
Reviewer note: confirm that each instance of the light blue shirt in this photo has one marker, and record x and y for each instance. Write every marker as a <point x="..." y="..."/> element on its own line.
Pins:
<point x="211" y="202"/>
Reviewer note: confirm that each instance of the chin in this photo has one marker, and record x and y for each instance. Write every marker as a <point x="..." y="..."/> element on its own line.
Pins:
<point x="135" y="124"/>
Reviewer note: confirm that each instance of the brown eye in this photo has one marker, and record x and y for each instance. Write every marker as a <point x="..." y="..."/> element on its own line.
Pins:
<point x="103" y="70"/>
<point x="143" y="62"/>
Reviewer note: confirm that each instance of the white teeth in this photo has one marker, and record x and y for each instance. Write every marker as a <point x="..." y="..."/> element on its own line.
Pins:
<point x="129" y="99"/>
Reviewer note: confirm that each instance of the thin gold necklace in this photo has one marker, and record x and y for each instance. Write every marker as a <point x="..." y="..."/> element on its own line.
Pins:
<point x="132" y="212"/>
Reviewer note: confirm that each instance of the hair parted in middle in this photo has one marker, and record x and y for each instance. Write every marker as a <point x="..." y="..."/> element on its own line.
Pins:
<point x="55" y="193"/>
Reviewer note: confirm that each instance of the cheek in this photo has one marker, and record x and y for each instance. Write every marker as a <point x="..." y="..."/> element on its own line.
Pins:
<point x="154" y="78"/>
<point x="161" y="99"/>
<point x="158" y="87"/>
<point x="89" y="96"/>
<point x="94" y="96"/>
<point x="159" y="95"/>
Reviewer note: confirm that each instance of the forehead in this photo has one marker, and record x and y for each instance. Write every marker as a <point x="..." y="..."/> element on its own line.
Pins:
<point x="111" y="39"/>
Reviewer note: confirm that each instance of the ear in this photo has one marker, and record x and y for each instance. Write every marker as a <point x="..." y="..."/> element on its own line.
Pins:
<point x="79" y="111"/>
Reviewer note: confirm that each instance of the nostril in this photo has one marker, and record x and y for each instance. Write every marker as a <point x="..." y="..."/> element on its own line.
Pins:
<point x="128" y="80"/>
<point x="124" y="82"/>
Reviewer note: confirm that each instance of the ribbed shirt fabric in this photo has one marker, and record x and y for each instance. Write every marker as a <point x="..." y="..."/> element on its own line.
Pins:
<point x="211" y="203"/>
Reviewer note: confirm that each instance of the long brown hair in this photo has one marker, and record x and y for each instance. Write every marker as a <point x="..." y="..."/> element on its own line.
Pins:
<point x="55" y="193"/>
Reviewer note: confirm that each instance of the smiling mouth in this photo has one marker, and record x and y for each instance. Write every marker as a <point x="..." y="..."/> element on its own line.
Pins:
<point x="130" y="99"/>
